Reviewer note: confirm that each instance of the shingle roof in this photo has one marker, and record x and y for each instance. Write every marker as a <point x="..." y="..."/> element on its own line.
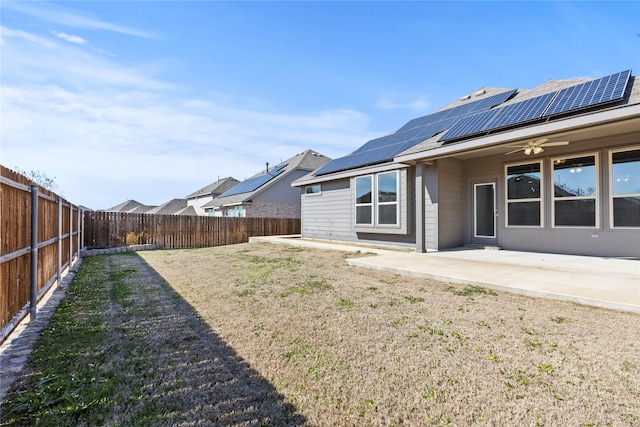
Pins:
<point x="307" y="160"/>
<point x="169" y="208"/>
<point x="215" y="188"/>
<point x="130" y="206"/>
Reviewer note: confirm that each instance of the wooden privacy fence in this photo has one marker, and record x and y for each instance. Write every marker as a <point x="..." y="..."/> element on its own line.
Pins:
<point x="109" y="229"/>
<point x="40" y="237"/>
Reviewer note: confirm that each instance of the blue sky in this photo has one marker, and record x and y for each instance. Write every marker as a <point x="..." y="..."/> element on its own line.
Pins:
<point x="153" y="100"/>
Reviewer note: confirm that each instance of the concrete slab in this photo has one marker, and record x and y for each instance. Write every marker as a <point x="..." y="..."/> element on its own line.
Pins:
<point x="602" y="282"/>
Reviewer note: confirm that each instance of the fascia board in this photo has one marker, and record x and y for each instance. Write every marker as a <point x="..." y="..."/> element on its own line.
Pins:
<point x="589" y="120"/>
<point x="348" y="174"/>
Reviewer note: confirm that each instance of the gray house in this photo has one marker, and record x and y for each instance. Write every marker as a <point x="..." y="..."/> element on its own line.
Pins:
<point x="201" y="197"/>
<point x="268" y="193"/>
<point x="553" y="169"/>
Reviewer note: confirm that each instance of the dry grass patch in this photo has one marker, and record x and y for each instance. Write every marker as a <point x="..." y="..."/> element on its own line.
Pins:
<point x="349" y="346"/>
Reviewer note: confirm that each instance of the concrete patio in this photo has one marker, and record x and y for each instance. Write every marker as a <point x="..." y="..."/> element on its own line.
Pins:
<point x="602" y="282"/>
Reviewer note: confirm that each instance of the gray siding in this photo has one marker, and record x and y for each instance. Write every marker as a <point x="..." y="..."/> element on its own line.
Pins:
<point x="431" y="206"/>
<point x="450" y="218"/>
<point x="281" y="191"/>
<point x="599" y="241"/>
<point x="329" y="216"/>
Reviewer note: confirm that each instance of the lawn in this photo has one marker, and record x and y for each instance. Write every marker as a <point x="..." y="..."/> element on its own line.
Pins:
<point x="260" y="334"/>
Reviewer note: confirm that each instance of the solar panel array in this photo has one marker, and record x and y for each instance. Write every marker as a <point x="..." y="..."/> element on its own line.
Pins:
<point x="589" y="94"/>
<point x="480" y="116"/>
<point x="413" y="133"/>
<point x="254" y="183"/>
<point x="599" y="91"/>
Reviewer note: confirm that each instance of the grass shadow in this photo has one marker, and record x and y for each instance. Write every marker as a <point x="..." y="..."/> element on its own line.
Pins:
<point x="154" y="359"/>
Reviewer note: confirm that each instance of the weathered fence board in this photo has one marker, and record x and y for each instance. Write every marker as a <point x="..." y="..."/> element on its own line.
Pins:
<point x="110" y="229"/>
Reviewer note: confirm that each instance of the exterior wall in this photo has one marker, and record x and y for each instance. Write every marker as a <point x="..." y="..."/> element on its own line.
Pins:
<point x="450" y="190"/>
<point x="198" y="203"/>
<point x="329" y="215"/>
<point x="280" y="191"/>
<point x="431" y="206"/>
<point x="273" y="210"/>
<point x="602" y="240"/>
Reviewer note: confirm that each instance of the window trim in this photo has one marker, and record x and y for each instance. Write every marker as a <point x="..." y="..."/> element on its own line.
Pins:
<point x="595" y="197"/>
<point x="614" y="196"/>
<point x="539" y="199"/>
<point x="371" y="204"/>
<point x="313" y="194"/>
<point x="378" y="203"/>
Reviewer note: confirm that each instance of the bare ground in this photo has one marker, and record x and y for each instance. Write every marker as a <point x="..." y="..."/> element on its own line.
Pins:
<point x="349" y="346"/>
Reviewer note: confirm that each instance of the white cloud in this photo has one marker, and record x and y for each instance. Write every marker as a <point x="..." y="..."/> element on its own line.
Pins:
<point x="110" y="132"/>
<point x="71" y="19"/>
<point x="70" y="38"/>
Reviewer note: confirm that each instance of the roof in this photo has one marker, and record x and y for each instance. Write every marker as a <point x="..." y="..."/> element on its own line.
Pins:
<point x="129" y="206"/>
<point x="489" y="111"/>
<point x="215" y="188"/>
<point x="308" y="160"/>
<point x="172" y="207"/>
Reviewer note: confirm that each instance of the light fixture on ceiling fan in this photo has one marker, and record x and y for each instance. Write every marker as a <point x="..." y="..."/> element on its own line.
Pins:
<point x="535" y="147"/>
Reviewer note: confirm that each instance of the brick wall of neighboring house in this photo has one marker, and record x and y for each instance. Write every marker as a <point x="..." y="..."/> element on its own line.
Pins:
<point x="274" y="210"/>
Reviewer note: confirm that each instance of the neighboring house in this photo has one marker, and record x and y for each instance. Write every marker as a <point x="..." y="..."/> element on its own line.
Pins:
<point x="130" y="206"/>
<point x="206" y="194"/>
<point x="173" y="207"/>
<point x="554" y="169"/>
<point x="268" y="193"/>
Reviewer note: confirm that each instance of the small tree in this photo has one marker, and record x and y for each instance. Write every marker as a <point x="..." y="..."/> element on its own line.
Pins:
<point x="40" y="178"/>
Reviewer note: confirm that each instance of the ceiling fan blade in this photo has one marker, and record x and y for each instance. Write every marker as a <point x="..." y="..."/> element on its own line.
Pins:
<point x="551" y="144"/>
<point x="514" y="151"/>
<point x="539" y="141"/>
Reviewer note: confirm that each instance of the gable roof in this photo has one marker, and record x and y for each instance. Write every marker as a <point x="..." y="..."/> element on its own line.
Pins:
<point x="488" y="111"/>
<point x="215" y="188"/>
<point x="130" y="206"/>
<point x="172" y="207"/>
<point x="308" y="160"/>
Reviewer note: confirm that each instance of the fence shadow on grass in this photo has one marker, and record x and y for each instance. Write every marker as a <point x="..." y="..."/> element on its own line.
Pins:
<point x="196" y="379"/>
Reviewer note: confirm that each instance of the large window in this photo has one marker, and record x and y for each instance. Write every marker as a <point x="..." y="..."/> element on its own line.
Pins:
<point x="575" y="191"/>
<point x="377" y="200"/>
<point x="524" y="195"/>
<point x="625" y="188"/>
<point x="388" y="198"/>
<point x="364" y="201"/>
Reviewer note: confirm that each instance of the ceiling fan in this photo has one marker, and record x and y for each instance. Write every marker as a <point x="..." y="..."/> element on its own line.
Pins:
<point x="535" y="147"/>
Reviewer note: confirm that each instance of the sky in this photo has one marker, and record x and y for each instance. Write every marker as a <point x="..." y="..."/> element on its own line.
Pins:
<point x="153" y="100"/>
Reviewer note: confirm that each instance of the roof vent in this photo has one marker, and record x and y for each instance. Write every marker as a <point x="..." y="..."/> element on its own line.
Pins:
<point x="464" y="98"/>
<point x="480" y="92"/>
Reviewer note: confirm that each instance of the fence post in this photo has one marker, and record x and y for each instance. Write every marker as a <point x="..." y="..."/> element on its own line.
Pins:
<point x="34" y="252"/>
<point x="79" y="234"/>
<point x="70" y="234"/>
<point x="59" y="266"/>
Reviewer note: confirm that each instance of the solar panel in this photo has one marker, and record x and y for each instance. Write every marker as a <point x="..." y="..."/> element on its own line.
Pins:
<point x="254" y="183"/>
<point x="520" y="112"/>
<point x="469" y="125"/>
<point x="599" y="91"/>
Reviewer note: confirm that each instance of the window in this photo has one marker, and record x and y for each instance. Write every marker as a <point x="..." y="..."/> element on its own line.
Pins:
<point x="524" y="195"/>
<point x="377" y="200"/>
<point x="312" y="189"/>
<point x="364" y="202"/>
<point x="388" y="198"/>
<point x="575" y="191"/>
<point x="625" y="188"/>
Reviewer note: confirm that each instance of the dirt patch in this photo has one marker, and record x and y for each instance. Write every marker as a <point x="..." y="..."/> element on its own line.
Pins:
<point x="349" y="346"/>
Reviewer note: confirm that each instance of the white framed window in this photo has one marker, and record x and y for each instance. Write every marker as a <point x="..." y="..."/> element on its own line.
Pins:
<point x="624" y="184"/>
<point x="575" y="191"/>
<point x="312" y="190"/>
<point x="387" y="191"/>
<point x="364" y="200"/>
<point x="524" y="194"/>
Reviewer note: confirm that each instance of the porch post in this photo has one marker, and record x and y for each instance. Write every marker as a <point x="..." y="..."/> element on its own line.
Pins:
<point x="419" y="204"/>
